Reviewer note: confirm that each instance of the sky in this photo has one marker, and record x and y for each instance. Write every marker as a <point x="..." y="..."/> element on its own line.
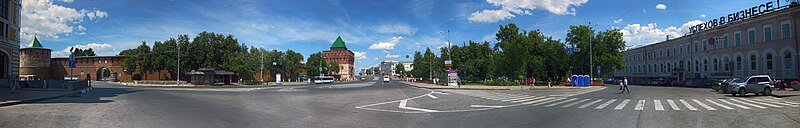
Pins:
<point x="374" y="30"/>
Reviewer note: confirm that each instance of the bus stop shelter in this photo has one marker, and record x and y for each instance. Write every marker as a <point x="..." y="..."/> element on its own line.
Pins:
<point x="209" y="76"/>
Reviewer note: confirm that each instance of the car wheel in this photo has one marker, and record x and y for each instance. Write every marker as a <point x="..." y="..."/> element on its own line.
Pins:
<point x="742" y="93"/>
<point x="767" y="91"/>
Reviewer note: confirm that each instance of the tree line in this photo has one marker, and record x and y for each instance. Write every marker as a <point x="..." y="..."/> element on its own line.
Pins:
<point x="218" y="51"/>
<point x="520" y="54"/>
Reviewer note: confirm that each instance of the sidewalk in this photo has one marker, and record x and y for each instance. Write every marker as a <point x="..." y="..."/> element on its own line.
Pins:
<point x="34" y="95"/>
<point x="432" y="86"/>
<point x="785" y="93"/>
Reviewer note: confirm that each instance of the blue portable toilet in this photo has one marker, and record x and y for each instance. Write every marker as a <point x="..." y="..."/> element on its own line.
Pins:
<point x="585" y="80"/>
<point x="574" y="81"/>
<point x="580" y="80"/>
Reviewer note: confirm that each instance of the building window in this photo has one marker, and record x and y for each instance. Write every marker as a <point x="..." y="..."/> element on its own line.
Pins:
<point x="738" y="63"/>
<point x="696" y="66"/>
<point x="768" y="33"/>
<point x="705" y="65"/>
<point x="725" y="41"/>
<point x="705" y="43"/>
<point x="786" y="30"/>
<point x="737" y="38"/>
<point x="769" y="61"/>
<point x="752" y="62"/>
<point x="751" y="36"/>
<point x="716" y="63"/>
<point x="695" y="46"/>
<point x="787" y="60"/>
<point x="727" y="64"/>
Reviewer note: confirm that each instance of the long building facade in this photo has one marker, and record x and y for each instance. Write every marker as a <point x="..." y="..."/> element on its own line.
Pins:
<point x="763" y="43"/>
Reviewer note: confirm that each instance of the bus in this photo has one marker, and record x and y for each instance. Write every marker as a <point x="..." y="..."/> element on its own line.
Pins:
<point x="323" y="80"/>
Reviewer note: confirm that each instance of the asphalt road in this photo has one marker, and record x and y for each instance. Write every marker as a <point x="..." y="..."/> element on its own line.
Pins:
<point x="377" y="104"/>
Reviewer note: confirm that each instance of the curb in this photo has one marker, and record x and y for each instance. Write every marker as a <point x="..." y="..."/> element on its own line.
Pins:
<point x="33" y="100"/>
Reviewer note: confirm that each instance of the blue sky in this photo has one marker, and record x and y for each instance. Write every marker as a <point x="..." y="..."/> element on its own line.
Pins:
<point x="375" y="30"/>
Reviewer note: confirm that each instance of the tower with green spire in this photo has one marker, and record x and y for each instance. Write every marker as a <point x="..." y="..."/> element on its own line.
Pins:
<point x="338" y="44"/>
<point x="35" y="43"/>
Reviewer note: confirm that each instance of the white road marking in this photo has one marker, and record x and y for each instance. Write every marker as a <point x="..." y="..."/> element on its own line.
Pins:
<point x="549" y="101"/>
<point x="776" y="102"/>
<point x="513" y="99"/>
<point x="574" y="103"/>
<point x="673" y="105"/>
<point x="579" y="93"/>
<point x="745" y="103"/>
<point x="622" y="105"/>
<point x="441" y="93"/>
<point x="640" y="105"/>
<point x="718" y="104"/>
<point x="703" y="105"/>
<point x="688" y="105"/>
<point x="485" y="106"/>
<point x="601" y="106"/>
<point x="403" y="106"/>
<point x="737" y="105"/>
<point x="590" y="103"/>
<point x="772" y="105"/>
<point x="431" y="96"/>
<point x="540" y="100"/>
<point x="561" y="102"/>
<point x="658" y="106"/>
<point x="529" y="99"/>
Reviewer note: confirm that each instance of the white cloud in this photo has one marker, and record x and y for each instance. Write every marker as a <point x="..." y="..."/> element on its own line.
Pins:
<point x="397" y="28"/>
<point x="490" y="16"/>
<point x="67" y="1"/>
<point x="702" y="15"/>
<point x="386" y="44"/>
<point x="360" y="55"/>
<point x="510" y="8"/>
<point x="637" y="34"/>
<point x="661" y="6"/>
<point x="47" y="19"/>
<point x="618" y="21"/>
<point x="99" y="49"/>
<point x="390" y="56"/>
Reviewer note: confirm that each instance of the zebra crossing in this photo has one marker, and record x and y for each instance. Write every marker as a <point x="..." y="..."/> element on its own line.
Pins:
<point x="676" y="104"/>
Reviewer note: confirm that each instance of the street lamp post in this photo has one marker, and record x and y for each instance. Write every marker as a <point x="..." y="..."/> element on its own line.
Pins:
<point x="178" y="74"/>
<point x="591" y="62"/>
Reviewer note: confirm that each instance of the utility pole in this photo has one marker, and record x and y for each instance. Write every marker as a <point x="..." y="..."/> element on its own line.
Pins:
<point x="591" y="62"/>
<point x="178" y="74"/>
<point x="262" y="67"/>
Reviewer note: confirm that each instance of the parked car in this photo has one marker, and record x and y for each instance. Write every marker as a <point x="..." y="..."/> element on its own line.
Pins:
<point x="610" y="81"/>
<point x="657" y="82"/>
<point x="759" y="84"/>
<point x="725" y="83"/>
<point x="698" y="83"/>
<point x="385" y="78"/>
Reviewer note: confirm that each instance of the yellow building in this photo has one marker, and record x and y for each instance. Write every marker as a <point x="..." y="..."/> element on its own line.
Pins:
<point x="9" y="40"/>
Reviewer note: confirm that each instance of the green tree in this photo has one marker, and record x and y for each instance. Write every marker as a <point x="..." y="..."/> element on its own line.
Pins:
<point x="400" y="69"/>
<point x="333" y="67"/>
<point x="292" y="64"/>
<point x="606" y="49"/>
<point x="313" y="64"/>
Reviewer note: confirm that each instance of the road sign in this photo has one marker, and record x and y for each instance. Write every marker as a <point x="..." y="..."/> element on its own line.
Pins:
<point x="711" y="41"/>
<point x="448" y="63"/>
<point x="598" y="69"/>
<point x="71" y="60"/>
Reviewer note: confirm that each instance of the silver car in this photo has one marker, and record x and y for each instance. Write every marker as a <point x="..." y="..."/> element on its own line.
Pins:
<point x="760" y="84"/>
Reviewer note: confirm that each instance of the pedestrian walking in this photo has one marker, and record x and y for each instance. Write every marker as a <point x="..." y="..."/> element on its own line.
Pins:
<point x="625" y="84"/>
<point x="621" y="86"/>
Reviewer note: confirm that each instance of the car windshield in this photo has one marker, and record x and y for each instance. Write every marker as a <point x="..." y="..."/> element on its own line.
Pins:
<point x="738" y="80"/>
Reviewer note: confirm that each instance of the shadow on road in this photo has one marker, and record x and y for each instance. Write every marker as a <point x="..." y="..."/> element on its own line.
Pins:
<point x="93" y="96"/>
